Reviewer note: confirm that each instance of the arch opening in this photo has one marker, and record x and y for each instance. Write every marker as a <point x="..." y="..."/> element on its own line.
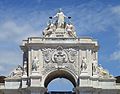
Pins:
<point x="61" y="76"/>
<point x="60" y="85"/>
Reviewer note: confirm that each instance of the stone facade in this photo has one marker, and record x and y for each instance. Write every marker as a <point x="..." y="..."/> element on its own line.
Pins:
<point x="60" y="53"/>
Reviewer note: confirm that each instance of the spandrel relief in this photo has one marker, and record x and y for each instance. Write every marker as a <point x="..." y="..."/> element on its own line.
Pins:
<point x="71" y="67"/>
<point x="48" y="68"/>
<point x="59" y="57"/>
<point x="47" y="54"/>
<point x="72" y="55"/>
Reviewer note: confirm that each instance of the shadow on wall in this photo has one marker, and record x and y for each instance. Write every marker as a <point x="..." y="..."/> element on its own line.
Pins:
<point x="117" y="79"/>
<point x="2" y="79"/>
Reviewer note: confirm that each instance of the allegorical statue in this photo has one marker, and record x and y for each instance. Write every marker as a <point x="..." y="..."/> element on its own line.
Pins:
<point x="60" y="18"/>
<point x="102" y="72"/>
<point x="70" y="29"/>
<point x="83" y="64"/>
<point x="49" y="29"/>
<point x="35" y="64"/>
<point x="17" y="72"/>
<point x="25" y="68"/>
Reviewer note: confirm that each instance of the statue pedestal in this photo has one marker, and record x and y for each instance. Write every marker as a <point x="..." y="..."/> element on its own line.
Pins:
<point x="35" y="79"/>
<point x="84" y="79"/>
<point x="95" y="75"/>
<point x="84" y="73"/>
<point x="37" y="90"/>
<point x="25" y="83"/>
<point x="35" y="73"/>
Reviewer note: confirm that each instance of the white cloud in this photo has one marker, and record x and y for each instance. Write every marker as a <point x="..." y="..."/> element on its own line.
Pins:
<point x="2" y="68"/>
<point x="115" y="56"/>
<point x="9" y="60"/>
<point x="9" y="57"/>
<point x="12" y="31"/>
<point x="88" y="18"/>
<point x="116" y="9"/>
<point x="94" y="18"/>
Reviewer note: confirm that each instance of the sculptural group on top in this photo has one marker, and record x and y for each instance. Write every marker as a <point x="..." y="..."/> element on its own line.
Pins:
<point x="59" y="21"/>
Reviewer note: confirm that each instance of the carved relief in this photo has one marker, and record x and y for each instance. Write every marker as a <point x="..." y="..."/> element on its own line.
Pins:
<point x="71" y="67"/>
<point x="47" y="55"/>
<point x="103" y="73"/>
<point x="48" y="68"/>
<point x="59" y="56"/>
<point x="72" y="55"/>
<point x="18" y="72"/>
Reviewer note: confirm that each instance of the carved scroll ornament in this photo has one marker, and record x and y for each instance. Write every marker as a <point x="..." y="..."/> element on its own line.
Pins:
<point x="59" y="56"/>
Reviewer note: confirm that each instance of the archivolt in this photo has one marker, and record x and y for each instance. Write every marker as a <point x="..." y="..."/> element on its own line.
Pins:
<point x="59" y="74"/>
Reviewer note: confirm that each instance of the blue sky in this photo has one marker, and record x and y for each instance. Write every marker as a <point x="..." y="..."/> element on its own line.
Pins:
<point x="99" y="19"/>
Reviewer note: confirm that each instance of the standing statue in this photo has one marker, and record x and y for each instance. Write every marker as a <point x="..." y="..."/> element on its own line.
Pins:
<point x="25" y="67"/>
<point x="83" y="64"/>
<point x="94" y="69"/>
<point x="35" y="64"/>
<point x="60" y="18"/>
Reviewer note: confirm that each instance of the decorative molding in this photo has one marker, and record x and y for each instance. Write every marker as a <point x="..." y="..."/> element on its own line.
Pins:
<point x="59" y="56"/>
<point x="72" y="55"/>
<point x="47" y="54"/>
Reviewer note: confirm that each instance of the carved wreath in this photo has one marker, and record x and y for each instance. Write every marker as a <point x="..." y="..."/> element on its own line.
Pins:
<point x="59" y="56"/>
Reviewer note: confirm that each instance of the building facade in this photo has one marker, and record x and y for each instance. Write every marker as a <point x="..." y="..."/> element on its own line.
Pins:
<point x="60" y="53"/>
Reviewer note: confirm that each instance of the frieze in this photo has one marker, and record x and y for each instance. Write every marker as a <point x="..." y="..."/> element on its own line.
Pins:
<point x="59" y="55"/>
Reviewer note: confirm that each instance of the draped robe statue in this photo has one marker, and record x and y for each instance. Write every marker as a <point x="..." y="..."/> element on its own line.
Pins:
<point x="60" y="18"/>
<point x="35" y="64"/>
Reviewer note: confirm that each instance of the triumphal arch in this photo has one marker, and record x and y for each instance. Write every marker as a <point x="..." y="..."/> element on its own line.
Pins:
<point x="60" y="53"/>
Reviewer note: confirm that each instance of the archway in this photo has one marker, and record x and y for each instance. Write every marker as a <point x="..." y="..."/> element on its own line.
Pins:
<point x="63" y="76"/>
<point x="60" y="84"/>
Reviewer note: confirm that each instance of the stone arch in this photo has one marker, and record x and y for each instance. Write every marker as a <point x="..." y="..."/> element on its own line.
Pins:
<point x="60" y="73"/>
